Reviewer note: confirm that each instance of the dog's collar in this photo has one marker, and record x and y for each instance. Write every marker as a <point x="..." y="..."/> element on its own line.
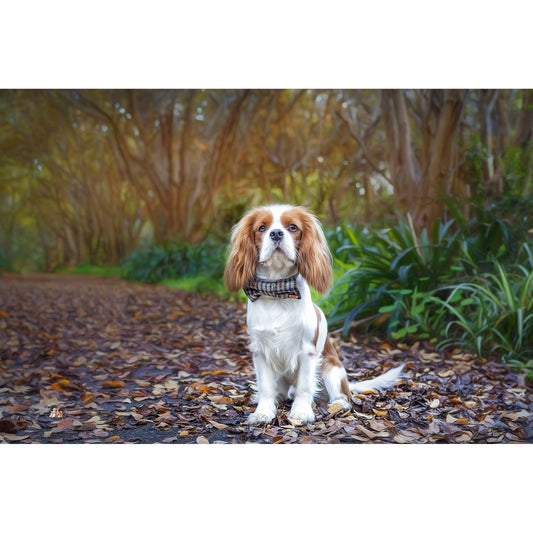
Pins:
<point x="280" y="288"/>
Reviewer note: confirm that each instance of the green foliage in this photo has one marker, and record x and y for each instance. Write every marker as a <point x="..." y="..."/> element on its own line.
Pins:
<point x="391" y="267"/>
<point x="175" y="260"/>
<point x="415" y="316"/>
<point x="494" y="232"/>
<point x="468" y="284"/>
<point x="497" y="314"/>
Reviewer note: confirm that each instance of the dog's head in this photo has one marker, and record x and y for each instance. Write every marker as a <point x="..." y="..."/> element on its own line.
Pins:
<point x="274" y="242"/>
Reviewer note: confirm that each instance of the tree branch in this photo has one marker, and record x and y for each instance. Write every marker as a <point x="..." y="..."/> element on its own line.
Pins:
<point x="357" y="137"/>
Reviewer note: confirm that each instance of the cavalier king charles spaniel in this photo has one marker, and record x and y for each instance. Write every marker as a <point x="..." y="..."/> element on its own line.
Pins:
<point x="278" y="251"/>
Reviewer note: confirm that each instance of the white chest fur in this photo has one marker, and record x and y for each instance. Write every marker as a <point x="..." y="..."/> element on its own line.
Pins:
<point x="281" y="331"/>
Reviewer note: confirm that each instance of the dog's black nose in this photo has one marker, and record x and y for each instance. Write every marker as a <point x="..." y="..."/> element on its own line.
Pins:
<point x="276" y="235"/>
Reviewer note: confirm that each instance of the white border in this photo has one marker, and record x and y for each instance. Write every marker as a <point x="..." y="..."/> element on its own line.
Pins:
<point x="282" y="43"/>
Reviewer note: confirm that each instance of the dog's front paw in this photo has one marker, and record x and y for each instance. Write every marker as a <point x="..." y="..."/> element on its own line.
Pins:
<point x="303" y="413"/>
<point x="260" y="416"/>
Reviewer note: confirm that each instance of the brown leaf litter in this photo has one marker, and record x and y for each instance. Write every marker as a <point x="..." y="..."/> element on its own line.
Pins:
<point x="93" y="360"/>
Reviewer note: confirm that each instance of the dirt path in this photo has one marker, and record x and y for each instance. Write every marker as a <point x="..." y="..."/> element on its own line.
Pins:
<point x="86" y="359"/>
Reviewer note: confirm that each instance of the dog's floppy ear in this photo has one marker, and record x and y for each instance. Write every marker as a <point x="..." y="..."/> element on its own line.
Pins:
<point x="242" y="262"/>
<point x="314" y="257"/>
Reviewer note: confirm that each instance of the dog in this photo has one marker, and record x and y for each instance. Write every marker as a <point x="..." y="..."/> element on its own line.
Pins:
<point x="278" y="252"/>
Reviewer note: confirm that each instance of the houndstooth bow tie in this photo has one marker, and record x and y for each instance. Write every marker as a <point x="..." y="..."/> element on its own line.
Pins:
<point x="281" y="288"/>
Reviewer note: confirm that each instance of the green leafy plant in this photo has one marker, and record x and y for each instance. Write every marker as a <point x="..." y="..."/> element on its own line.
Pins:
<point x="466" y="284"/>
<point x="389" y="266"/>
<point x="416" y="315"/>
<point x="497" y="317"/>
<point x="175" y="260"/>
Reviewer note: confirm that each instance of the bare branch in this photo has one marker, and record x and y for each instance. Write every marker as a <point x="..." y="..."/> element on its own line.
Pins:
<point x="357" y="137"/>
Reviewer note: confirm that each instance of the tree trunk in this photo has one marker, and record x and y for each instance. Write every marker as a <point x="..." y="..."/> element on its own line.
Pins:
<point x="492" y="181"/>
<point x="405" y="175"/>
<point x="442" y="166"/>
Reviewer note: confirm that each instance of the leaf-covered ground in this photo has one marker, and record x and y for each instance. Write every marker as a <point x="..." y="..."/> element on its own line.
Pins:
<point x="87" y="360"/>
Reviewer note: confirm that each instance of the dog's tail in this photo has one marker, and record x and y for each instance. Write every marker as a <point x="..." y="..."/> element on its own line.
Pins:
<point x="383" y="382"/>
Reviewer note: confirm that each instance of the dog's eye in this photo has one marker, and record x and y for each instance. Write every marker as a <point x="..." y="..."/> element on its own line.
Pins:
<point x="292" y="228"/>
<point x="262" y="229"/>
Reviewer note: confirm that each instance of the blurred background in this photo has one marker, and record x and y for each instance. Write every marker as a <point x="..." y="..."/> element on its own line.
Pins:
<point x="88" y="177"/>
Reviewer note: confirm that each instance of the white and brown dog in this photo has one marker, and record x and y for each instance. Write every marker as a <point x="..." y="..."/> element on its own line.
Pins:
<point x="277" y="252"/>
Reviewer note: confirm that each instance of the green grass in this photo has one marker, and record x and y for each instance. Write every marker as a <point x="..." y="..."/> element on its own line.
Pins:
<point x="200" y="284"/>
<point x="92" y="270"/>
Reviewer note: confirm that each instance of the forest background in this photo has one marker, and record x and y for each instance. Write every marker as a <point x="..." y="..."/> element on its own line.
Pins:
<point x="426" y="195"/>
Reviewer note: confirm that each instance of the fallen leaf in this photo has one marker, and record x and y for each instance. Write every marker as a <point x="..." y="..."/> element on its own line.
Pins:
<point x="363" y="415"/>
<point x="8" y="426"/>
<point x="65" y="423"/>
<point x="431" y="356"/>
<point x="217" y="425"/>
<point x="518" y="414"/>
<point x="464" y="437"/>
<point x="372" y="434"/>
<point x="334" y="409"/>
<point x="403" y="439"/>
<point x="142" y="382"/>
<point x="113" y="384"/>
<point x="295" y="421"/>
<point x="88" y="397"/>
<point x="16" y="408"/>
<point x="15" y="437"/>
<point x="359" y="438"/>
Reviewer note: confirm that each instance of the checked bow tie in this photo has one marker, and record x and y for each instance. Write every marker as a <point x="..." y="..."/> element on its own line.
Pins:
<point x="281" y="288"/>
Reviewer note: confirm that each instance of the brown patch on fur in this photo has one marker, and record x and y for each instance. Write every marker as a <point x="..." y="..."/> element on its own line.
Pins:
<point x="245" y="239"/>
<point x="331" y="359"/>
<point x="294" y="216"/>
<point x="345" y="388"/>
<point x="314" y="262"/>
